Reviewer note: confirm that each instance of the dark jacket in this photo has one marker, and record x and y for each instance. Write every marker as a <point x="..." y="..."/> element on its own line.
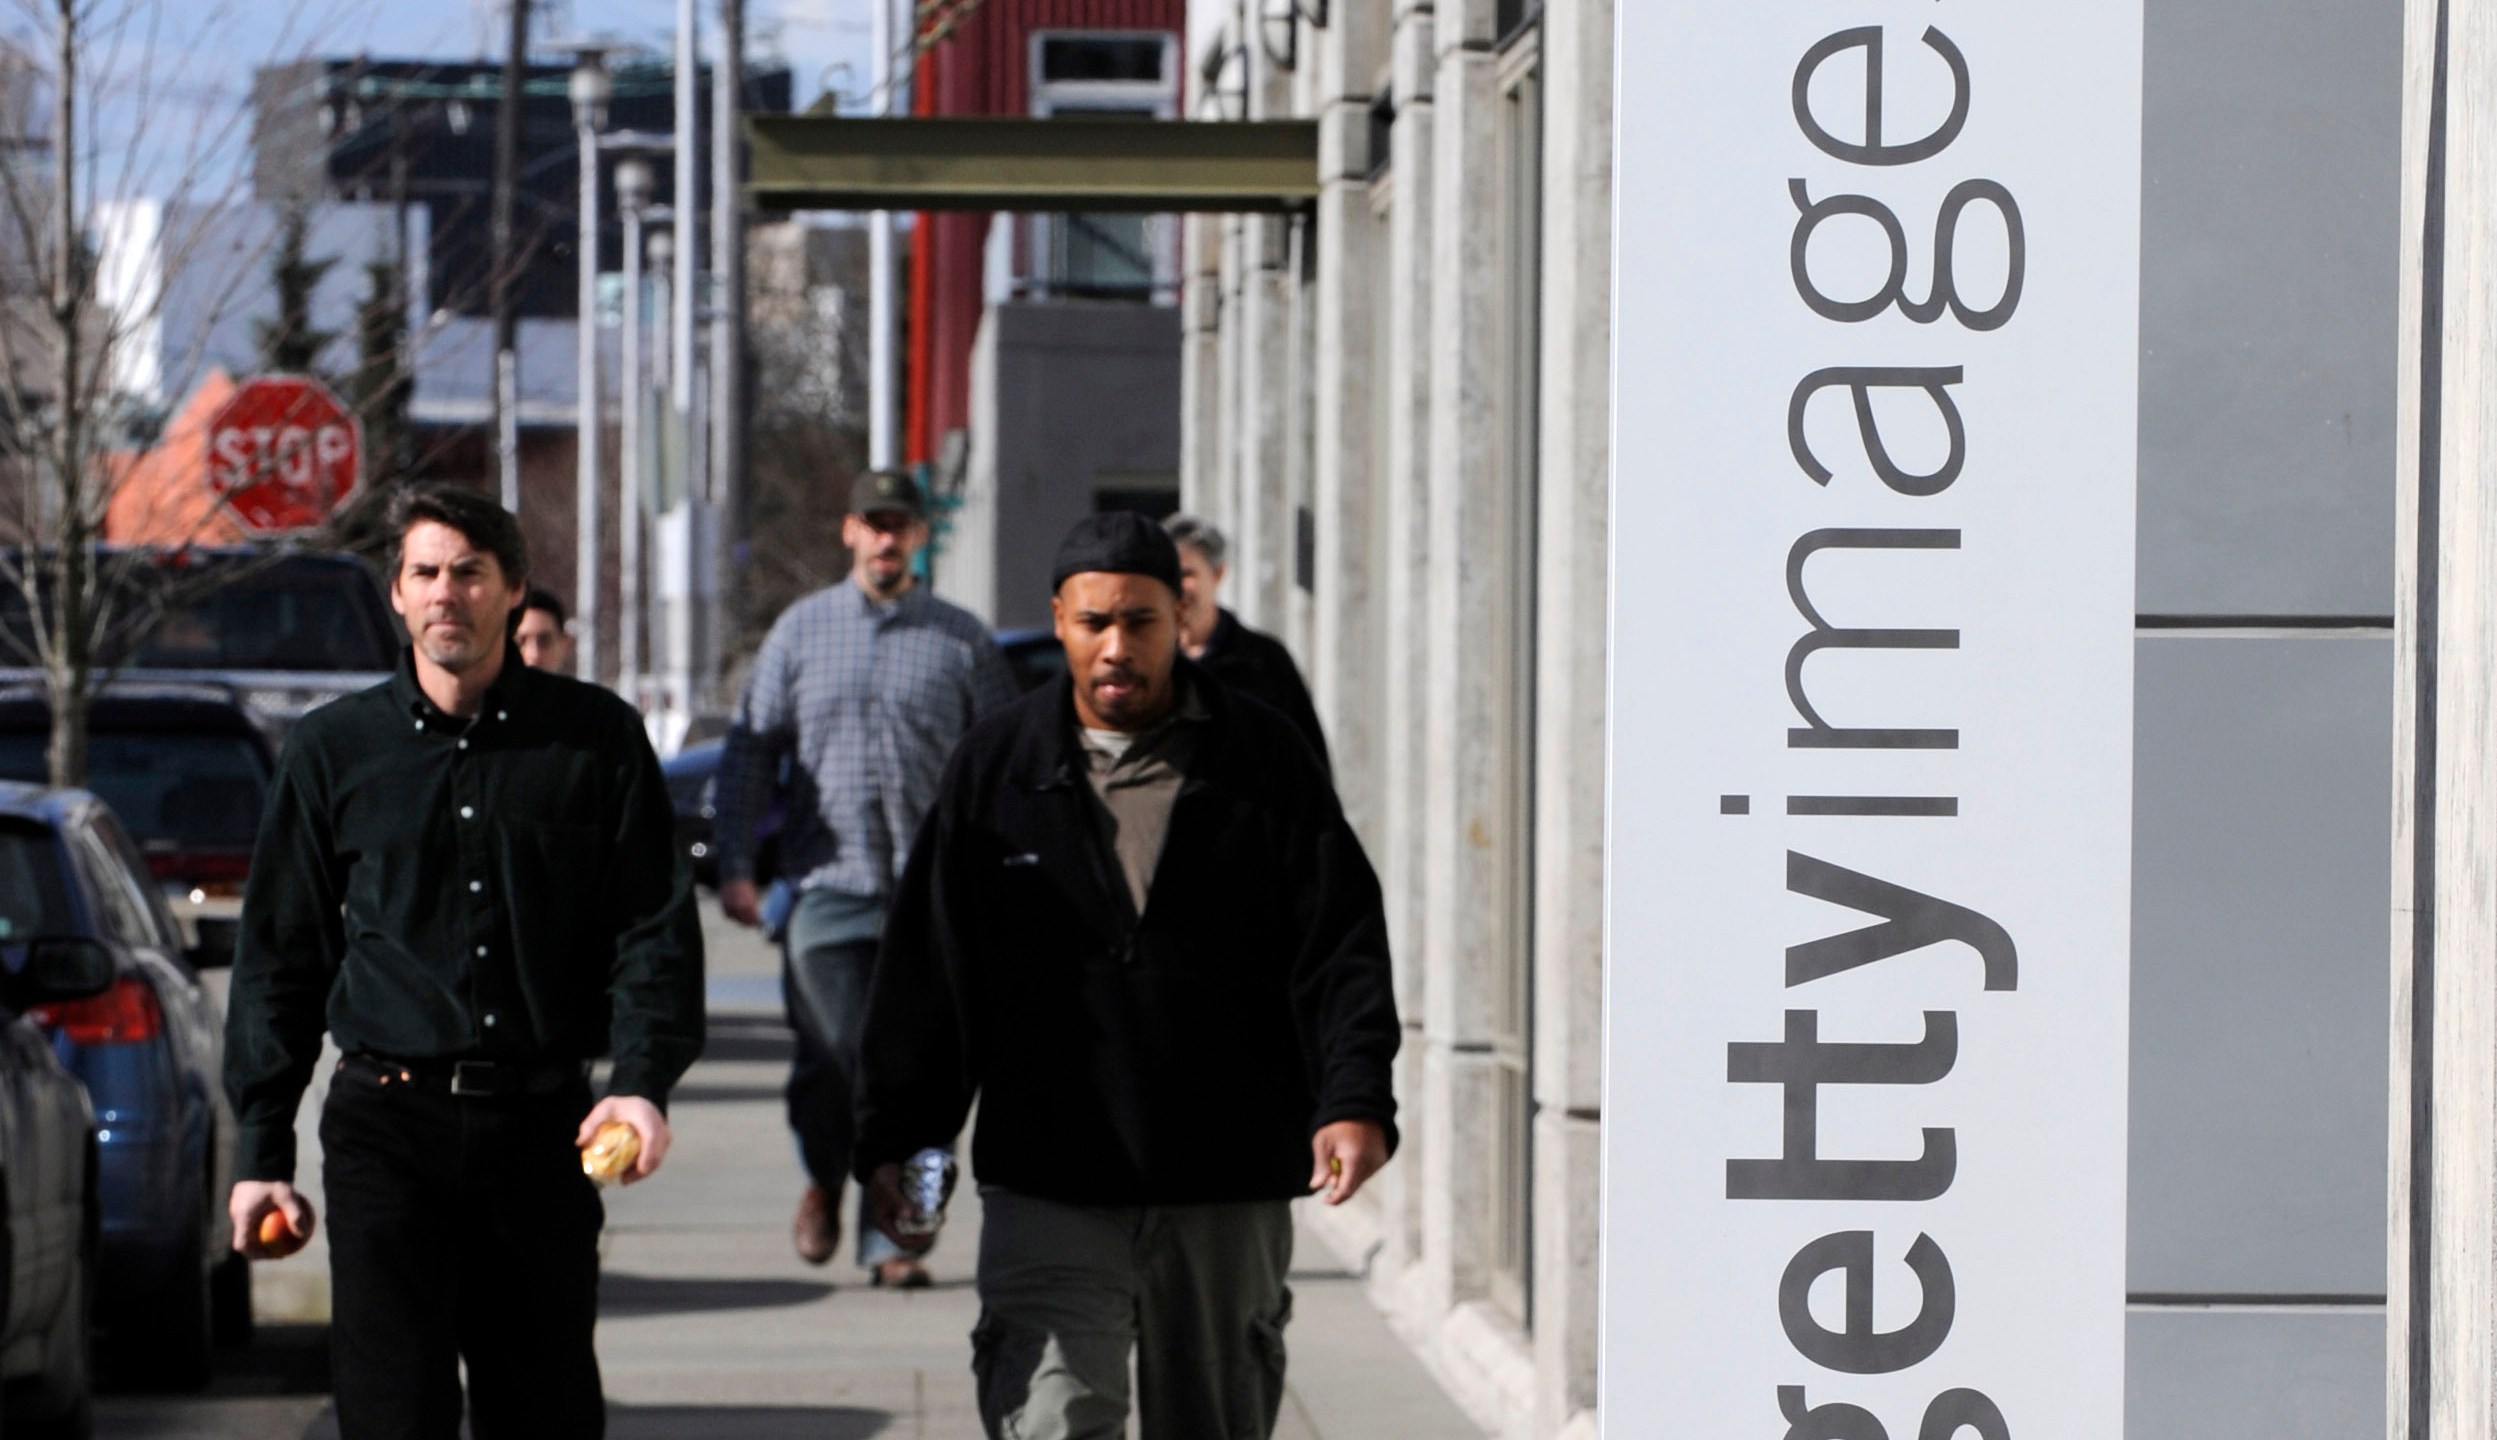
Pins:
<point x="1183" y="1056"/>
<point x="430" y="888"/>
<point x="1255" y="663"/>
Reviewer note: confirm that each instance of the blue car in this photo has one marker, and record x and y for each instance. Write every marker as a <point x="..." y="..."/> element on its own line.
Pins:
<point x="149" y="1051"/>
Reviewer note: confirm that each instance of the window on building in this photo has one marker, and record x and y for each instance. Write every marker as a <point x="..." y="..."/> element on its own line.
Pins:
<point x="1520" y="161"/>
<point x="1102" y="256"/>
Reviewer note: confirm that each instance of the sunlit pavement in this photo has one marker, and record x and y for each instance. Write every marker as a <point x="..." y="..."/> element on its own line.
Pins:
<point x="712" y="1329"/>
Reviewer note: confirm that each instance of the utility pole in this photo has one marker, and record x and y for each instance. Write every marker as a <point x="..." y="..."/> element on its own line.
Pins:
<point x="680" y="528"/>
<point x="728" y="327"/>
<point x="2442" y="1311"/>
<point x="591" y="88"/>
<point x="633" y="187"/>
<point x="505" y="256"/>
<point x="883" y="316"/>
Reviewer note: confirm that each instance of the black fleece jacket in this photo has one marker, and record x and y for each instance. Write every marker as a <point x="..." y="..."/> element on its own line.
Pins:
<point x="1182" y="1056"/>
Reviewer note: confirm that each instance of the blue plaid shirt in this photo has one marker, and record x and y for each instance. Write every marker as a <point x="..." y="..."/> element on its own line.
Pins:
<point x="868" y="698"/>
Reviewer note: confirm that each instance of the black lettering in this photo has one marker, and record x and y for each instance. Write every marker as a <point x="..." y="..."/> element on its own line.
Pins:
<point x="1858" y="1348"/>
<point x="1893" y="289"/>
<point x="1861" y="381"/>
<point x="1872" y="151"/>
<point x="1833" y="1421"/>
<point x="1911" y="920"/>
<point x="1801" y="1064"/>
<point x="1817" y="733"/>
<point x="1955" y="1410"/>
<point x="1945" y="236"/>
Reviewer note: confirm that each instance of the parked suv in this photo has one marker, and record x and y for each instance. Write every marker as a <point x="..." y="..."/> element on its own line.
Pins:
<point x="284" y="631"/>
<point x="186" y="770"/>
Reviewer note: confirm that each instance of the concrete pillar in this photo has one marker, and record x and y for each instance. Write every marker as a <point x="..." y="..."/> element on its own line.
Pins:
<point x="1347" y="644"/>
<point x="1573" y="536"/>
<point x="1201" y="374"/>
<point x="2442" y="1311"/>
<point x="1468" y="831"/>
<point x="1234" y="341"/>
<point x="1406" y="496"/>
<point x="1262" y="552"/>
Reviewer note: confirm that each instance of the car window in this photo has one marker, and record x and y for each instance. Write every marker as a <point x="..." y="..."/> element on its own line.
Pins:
<point x="33" y="899"/>
<point x="132" y="868"/>
<point x="301" y="615"/>
<point x="173" y="791"/>
<point x="121" y="912"/>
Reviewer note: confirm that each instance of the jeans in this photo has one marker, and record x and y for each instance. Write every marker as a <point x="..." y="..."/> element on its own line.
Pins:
<point x="827" y="957"/>
<point x="1195" y="1293"/>
<point x="460" y="1230"/>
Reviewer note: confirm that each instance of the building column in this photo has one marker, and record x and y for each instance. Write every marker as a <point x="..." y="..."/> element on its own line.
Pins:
<point x="1201" y="373"/>
<point x="2442" y="1256"/>
<point x="1261" y="554"/>
<point x="1405" y="492"/>
<point x="1467" y="715"/>
<point x="1348" y="626"/>
<point x="1573" y="538"/>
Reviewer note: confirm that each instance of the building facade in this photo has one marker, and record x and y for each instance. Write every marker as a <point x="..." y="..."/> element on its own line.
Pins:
<point x="1399" y="404"/>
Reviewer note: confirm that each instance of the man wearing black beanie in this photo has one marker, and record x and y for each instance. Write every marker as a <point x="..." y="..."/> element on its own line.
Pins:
<point x="1136" y="927"/>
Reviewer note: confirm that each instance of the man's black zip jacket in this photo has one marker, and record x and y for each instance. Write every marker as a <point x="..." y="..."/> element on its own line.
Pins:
<point x="1182" y="1056"/>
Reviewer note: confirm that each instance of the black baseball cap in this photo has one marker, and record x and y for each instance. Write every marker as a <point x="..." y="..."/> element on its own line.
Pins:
<point x="881" y="492"/>
<point x="1119" y="542"/>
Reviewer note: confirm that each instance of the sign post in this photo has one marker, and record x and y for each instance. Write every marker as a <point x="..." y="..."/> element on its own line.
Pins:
<point x="1869" y="902"/>
<point x="283" y="453"/>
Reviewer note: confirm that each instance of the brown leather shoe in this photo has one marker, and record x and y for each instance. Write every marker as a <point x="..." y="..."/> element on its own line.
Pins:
<point x="901" y="1275"/>
<point x="817" y="1228"/>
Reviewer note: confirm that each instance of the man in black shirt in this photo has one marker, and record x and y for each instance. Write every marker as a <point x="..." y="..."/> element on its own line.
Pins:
<point x="1249" y="661"/>
<point x="467" y="875"/>
<point x="1137" y="928"/>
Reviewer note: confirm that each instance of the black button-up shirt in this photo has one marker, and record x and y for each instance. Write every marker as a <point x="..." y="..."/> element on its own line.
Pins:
<point x="427" y="886"/>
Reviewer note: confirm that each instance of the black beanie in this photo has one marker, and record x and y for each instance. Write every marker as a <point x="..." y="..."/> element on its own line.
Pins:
<point x="1119" y="542"/>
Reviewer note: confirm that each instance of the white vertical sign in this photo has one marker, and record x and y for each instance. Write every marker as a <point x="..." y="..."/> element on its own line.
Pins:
<point x="1872" y="720"/>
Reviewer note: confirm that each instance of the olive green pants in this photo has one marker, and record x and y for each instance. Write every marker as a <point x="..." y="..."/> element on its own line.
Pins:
<point x="1068" y="1293"/>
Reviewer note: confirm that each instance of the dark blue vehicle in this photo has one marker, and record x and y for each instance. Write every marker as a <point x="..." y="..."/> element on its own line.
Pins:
<point x="693" y="777"/>
<point x="149" y="1051"/>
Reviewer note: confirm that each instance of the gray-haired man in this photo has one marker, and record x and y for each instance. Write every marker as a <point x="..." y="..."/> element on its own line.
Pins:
<point x="1248" y="661"/>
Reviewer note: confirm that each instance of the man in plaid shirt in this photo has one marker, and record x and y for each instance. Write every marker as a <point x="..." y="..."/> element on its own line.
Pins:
<point x="863" y="688"/>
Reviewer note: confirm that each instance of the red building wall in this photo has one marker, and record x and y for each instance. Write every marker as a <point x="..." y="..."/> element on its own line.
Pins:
<point x="982" y="68"/>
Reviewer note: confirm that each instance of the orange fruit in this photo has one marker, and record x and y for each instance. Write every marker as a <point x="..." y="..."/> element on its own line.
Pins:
<point x="278" y="1237"/>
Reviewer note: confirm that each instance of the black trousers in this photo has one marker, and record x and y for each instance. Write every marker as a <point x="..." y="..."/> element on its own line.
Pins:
<point x="461" y="1229"/>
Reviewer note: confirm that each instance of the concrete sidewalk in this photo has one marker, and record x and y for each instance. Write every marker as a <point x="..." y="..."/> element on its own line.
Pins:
<point x="712" y="1329"/>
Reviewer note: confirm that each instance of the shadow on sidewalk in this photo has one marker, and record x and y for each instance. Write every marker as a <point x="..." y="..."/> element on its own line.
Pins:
<point x="714" y="1422"/>
<point x="749" y="1037"/>
<point x="621" y="1294"/>
<point x="744" y="1422"/>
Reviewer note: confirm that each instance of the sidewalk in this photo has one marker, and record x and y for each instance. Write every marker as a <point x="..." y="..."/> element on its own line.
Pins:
<point x="711" y="1329"/>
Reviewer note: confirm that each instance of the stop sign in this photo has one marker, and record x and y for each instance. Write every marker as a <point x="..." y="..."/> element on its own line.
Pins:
<point x="283" y="452"/>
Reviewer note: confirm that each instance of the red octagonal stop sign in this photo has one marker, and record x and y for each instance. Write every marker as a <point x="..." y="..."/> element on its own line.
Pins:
<point x="284" y="453"/>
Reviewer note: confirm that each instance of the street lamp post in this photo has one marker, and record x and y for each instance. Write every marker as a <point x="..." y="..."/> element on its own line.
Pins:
<point x="633" y="191"/>
<point x="591" y="88"/>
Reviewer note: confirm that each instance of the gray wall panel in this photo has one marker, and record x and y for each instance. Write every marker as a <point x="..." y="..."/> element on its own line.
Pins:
<point x="2238" y="1375"/>
<point x="2261" y="834"/>
<point x="2270" y="207"/>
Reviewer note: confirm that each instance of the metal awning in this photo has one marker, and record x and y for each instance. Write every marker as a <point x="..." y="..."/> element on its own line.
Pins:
<point x="1083" y="163"/>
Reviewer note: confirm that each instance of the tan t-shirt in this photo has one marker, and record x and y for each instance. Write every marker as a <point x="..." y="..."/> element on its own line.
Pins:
<point x="1136" y="779"/>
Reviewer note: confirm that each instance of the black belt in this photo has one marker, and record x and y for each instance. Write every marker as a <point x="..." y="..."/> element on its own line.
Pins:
<point x="474" y="1079"/>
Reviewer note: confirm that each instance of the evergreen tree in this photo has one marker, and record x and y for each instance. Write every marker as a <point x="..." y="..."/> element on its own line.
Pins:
<point x="289" y="345"/>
